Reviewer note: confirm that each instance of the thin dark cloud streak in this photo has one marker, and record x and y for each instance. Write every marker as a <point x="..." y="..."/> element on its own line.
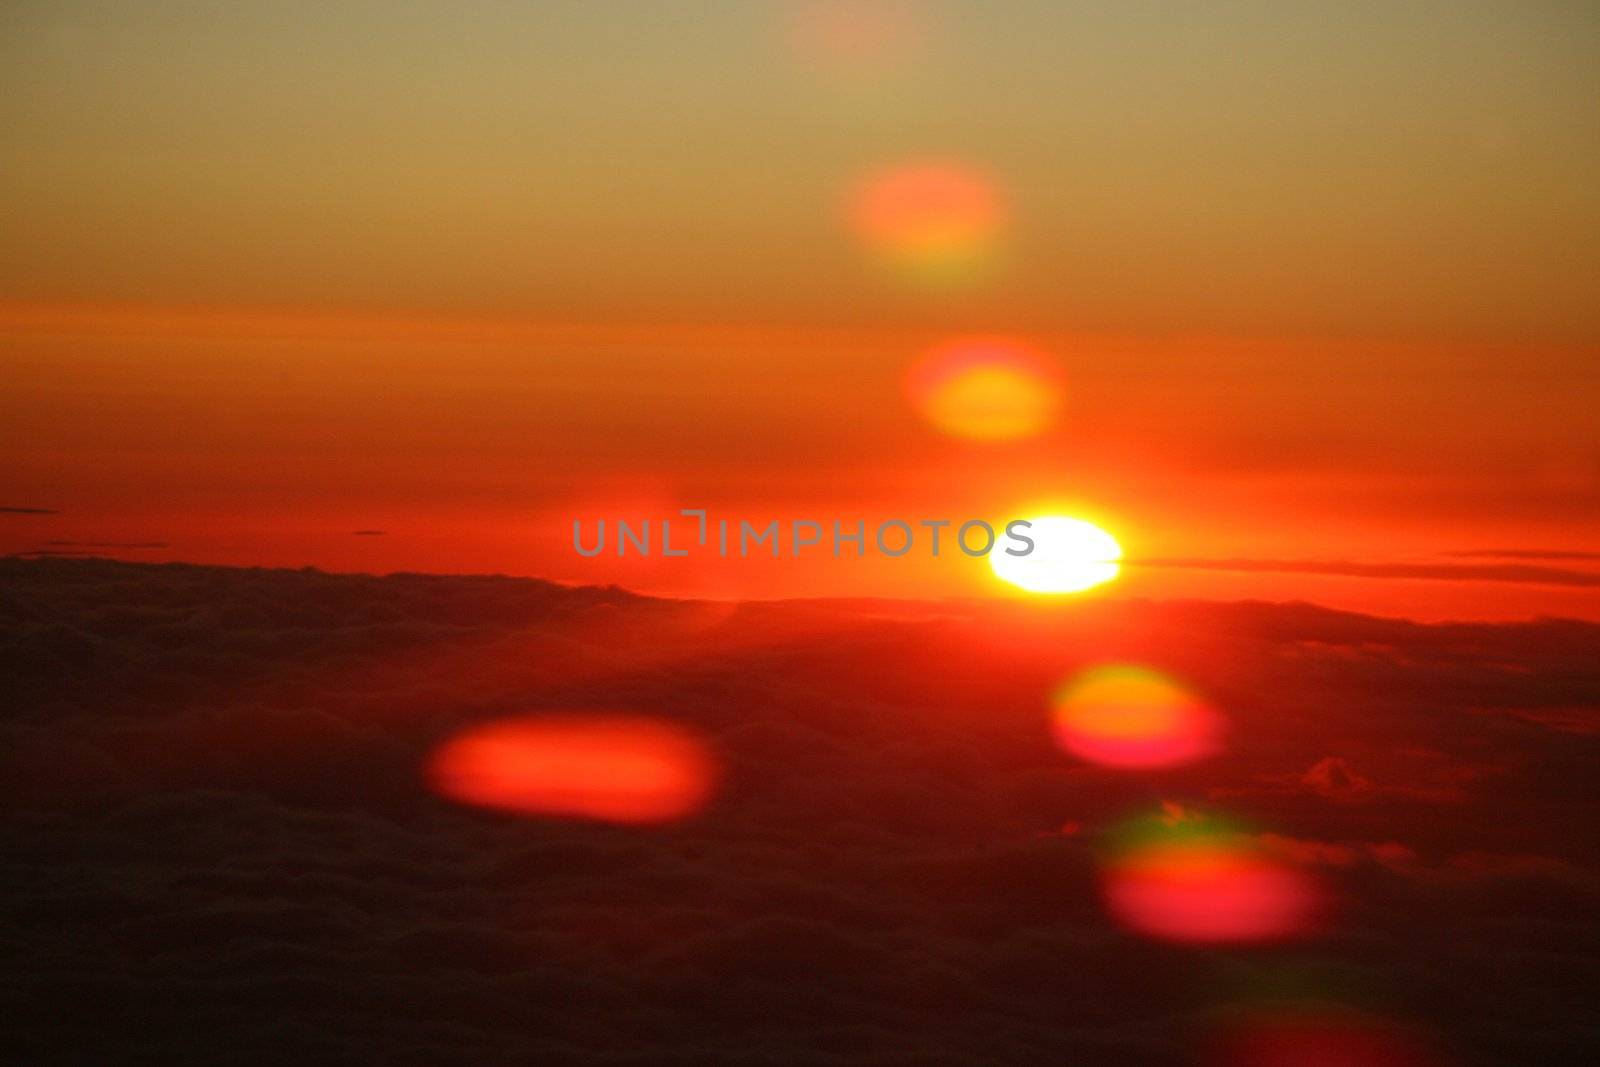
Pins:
<point x="1523" y="553"/>
<point x="28" y="511"/>
<point x="1516" y="573"/>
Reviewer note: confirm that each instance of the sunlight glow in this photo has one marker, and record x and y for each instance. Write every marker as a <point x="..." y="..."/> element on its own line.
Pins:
<point x="624" y="769"/>
<point x="1127" y="716"/>
<point x="985" y="388"/>
<point x="1069" y="555"/>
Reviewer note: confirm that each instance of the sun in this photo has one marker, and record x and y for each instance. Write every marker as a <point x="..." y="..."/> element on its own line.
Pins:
<point x="1069" y="555"/>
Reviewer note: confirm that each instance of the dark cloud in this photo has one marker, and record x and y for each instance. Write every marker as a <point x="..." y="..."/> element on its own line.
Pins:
<point x="217" y="846"/>
<point x="1334" y="777"/>
<point x="28" y="511"/>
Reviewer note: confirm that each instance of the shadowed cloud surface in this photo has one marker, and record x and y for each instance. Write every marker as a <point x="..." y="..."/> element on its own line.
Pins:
<point x="220" y="846"/>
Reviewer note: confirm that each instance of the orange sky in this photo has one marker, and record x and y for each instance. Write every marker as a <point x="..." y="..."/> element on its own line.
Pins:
<point x="1320" y="287"/>
<point x="270" y="438"/>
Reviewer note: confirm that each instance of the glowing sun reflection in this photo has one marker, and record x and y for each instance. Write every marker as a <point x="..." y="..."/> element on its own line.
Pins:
<point x="1126" y="716"/>
<point x="614" y="768"/>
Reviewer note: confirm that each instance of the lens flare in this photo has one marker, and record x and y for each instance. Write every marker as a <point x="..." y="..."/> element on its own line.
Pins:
<point x="613" y="768"/>
<point x="1322" y="1038"/>
<point x="1189" y="880"/>
<point x="986" y="388"/>
<point x="852" y="34"/>
<point x="1069" y="555"/>
<point x="1127" y="716"/>
<point x="930" y="221"/>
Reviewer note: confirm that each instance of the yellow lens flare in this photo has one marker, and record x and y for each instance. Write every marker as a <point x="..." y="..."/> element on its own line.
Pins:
<point x="1133" y="717"/>
<point x="985" y="388"/>
<point x="1069" y="555"/>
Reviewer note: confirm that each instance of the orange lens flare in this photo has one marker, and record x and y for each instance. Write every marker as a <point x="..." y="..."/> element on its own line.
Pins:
<point x="851" y="34"/>
<point x="936" y="221"/>
<point x="1191" y="882"/>
<point x="989" y="389"/>
<point x="1126" y="716"/>
<point x="622" y="769"/>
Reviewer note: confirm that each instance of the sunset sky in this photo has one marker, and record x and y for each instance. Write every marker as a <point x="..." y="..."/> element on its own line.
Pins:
<point x="1319" y="283"/>
<point x="339" y="723"/>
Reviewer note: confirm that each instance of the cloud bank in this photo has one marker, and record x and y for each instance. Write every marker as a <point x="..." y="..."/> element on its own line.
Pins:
<point x="219" y="846"/>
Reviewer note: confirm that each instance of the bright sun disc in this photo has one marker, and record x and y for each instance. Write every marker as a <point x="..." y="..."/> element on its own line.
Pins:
<point x="1069" y="556"/>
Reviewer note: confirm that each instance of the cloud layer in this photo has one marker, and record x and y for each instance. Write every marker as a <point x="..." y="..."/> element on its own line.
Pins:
<point x="219" y="845"/>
